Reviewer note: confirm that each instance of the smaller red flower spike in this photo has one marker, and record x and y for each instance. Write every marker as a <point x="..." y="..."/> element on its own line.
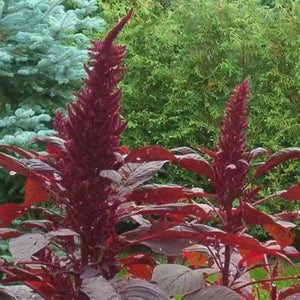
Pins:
<point x="231" y="160"/>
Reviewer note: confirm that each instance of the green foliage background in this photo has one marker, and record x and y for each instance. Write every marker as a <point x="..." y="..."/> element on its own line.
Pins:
<point x="184" y="59"/>
<point x="184" y="62"/>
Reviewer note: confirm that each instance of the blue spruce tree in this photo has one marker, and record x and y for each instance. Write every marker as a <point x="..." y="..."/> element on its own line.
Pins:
<point x="42" y="52"/>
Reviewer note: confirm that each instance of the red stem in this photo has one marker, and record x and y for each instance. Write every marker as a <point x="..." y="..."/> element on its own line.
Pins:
<point x="84" y="252"/>
<point x="32" y="207"/>
<point x="268" y="280"/>
<point x="215" y="210"/>
<point x="218" y="263"/>
<point x="225" y="269"/>
<point x="267" y="198"/>
<point x="273" y="288"/>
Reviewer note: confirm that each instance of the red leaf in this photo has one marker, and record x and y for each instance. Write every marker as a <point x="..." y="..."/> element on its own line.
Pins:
<point x="202" y="211"/>
<point x="149" y="153"/>
<point x="111" y="175"/>
<point x="54" y="152"/>
<point x="210" y="153"/>
<point x="40" y="224"/>
<point x="289" y="216"/>
<point x="13" y="292"/>
<point x="258" y="152"/>
<point x="196" y="255"/>
<point x="140" y="265"/>
<point x="124" y="149"/>
<point x="55" y="146"/>
<point x="24" y="246"/>
<point x="137" y="258"/>
<point x="34" y="192"/>
<point x="177" y="279"/>
<point x="173" y="210"/>
<point x="250" y="258"/>
<point x="37" y="165"/>
<point x="12" y="164"/>
<point x="141" y="271"/>
<point x="277" y="158"/>
<point x="62" y="232"/>
<point x="8" y="233"/>
<point x="24" y="153"/>
<point x="9" y="212"/>
<point x="289" y="250"/>
<point x="134" y="174"/>
<point x="23" y="275"/>
<point x="281" y="234"/>
<point x="183" y="150"/>
<point x="293" y="193"/>
<point x="163" y="194"/>
<point x="168" y="247"/>
<point x="97" y="287"/>
<point x="44" y="288"/>
<point x="253" y="216"/>
<point x="126" y="288"/>
<point x="133" y="288"/>
<point x="278" y="229"/>
<point x="214" y="292"/>
<point x="195" y="163"/>
<point x="209" y="235"/>
<point x="52" y="140"/>
<point x="151" y="229"/>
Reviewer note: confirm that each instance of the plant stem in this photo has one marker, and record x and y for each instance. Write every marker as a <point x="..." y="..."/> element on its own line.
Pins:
<point x="84" y="252"/>
<point x="225" y="270"/>
<point x="267" y="198"/>
<point x="215" y="258"/>
<point x="258" y="293"/>
<point x="268" y="280"/>
<point x="215" y="210"/>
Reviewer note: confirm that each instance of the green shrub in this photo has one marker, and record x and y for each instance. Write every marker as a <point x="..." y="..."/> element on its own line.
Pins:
<point x="184" y="59"/>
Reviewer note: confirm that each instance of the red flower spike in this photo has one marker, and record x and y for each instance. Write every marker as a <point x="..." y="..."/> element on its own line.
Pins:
<point x="230" y="162"/>
<point x="92" y="134"/>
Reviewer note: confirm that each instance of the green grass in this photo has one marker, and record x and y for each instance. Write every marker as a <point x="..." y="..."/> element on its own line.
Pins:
<point x="288" y="271"/>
